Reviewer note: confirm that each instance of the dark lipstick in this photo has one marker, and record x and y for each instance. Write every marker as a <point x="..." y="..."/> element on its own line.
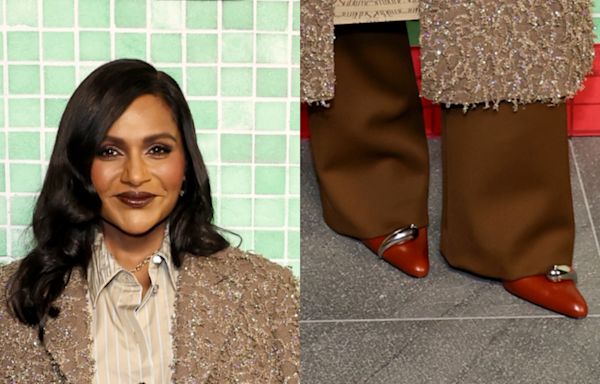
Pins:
<point x="136" y="199"/>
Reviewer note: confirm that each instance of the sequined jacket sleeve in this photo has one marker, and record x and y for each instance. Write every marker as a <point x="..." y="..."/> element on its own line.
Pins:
<point x="521" y="51"/>
<point x="316" y="58"/>
<point x="266" y="333"/>
<point x="474" y="51"/>
<point x="22" y="358"/>
<point x="236" y="321"/>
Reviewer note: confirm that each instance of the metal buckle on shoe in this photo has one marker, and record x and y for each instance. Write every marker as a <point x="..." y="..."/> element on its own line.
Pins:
<point x="399" y="236"/>
<point x="561" y="273"/>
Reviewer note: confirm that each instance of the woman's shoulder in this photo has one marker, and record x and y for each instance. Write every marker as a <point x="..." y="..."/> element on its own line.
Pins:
<point x="7" y="320"/>
<point x="23" y="357"/>
<point x="238" y="258"/>
<point x="244" y="265"/>
<point x="252" y="305"/>
<point x="6" y="272"/>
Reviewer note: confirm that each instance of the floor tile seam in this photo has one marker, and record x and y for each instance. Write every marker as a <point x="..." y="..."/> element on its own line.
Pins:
<point x="462" y="318"/>
<point x="585" y="199"/>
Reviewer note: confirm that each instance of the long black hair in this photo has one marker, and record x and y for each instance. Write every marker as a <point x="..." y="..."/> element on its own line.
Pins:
<point x="67" y="212"/>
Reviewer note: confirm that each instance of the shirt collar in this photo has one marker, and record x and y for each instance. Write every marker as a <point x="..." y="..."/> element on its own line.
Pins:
<point x="103" y="267"/>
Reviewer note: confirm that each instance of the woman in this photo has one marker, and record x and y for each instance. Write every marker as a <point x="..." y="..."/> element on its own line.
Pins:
<point x="129" y="280"/>
<point x="507" y="211"/>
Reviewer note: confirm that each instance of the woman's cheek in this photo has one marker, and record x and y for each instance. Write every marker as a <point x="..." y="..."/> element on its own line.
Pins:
<point x="103" y="175"/>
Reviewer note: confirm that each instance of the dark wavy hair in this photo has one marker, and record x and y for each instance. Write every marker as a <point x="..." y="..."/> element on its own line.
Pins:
<point x="67" y="212"/>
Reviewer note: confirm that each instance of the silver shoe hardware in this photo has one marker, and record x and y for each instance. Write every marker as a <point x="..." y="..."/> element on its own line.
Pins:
<point x="399" y="236"/>
<point x="561" y="273"/>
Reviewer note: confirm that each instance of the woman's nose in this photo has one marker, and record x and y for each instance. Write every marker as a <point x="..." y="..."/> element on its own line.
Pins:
<point x="135" y="171"/>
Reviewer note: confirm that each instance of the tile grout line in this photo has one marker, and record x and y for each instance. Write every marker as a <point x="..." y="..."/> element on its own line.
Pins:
<point x="219" y="101"/>
<point x="253" y="163"/>
<point x="5" y="160"/>
<point x="460" y="318"/>
<point x="42" y="112"/>
<point x="587" y="205"/>
<point x="288" y="137"/>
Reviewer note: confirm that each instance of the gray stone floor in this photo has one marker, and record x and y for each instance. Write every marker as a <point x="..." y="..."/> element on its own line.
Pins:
<point x="363" y="321"/>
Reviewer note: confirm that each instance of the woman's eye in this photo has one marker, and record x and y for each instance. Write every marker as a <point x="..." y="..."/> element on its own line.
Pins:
<point x="159" y="150"/>
<point x="108" y="152"/>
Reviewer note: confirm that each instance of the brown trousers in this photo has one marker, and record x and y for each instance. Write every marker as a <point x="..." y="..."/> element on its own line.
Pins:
<point x="507" y="209"/>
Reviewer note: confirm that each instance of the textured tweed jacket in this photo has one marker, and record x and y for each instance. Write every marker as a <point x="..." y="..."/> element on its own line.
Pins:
<point x="474" y="51"/>
<point x="236" y="321"/>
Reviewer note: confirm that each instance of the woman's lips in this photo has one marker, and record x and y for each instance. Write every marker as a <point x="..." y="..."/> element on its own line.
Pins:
<point x="136" y="199"/>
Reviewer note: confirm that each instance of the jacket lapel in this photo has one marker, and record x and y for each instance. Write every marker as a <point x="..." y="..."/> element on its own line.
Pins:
<point x="206" y="302"/>
<point x="67" y="337"/>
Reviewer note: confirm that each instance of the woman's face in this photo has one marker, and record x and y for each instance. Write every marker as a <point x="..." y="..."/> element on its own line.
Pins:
<point x="140" y="167"/>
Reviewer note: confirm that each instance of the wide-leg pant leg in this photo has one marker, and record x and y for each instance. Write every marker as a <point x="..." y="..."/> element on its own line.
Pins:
<point x="369" y="147"/>
<point x="507" y="205"/>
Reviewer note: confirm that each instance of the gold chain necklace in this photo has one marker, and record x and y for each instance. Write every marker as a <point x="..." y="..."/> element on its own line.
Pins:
<point x="145" y="261"/>
<point x="141" y="264"/>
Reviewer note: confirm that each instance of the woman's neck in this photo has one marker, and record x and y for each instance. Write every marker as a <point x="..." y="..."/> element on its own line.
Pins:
<point x="129" y="250"/>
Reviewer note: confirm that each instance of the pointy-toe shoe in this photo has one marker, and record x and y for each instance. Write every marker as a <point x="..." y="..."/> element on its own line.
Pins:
<point x="406" y="249"/>
<point x="551" y="291"/>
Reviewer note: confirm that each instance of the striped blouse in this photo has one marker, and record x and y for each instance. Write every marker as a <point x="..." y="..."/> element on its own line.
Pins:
<point x="131" y="333"/>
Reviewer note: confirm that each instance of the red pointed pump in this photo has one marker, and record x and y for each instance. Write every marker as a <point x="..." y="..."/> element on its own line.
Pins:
<point x="406" y="249"/>
<point x="555" y="291"/>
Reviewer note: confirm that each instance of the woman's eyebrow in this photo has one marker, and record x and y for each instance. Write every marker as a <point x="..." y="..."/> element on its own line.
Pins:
<point x="147" y="139"/>
<point x="163" y="135"/>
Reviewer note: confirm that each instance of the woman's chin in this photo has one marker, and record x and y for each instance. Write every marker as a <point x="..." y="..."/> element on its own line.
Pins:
<point x="135" y="228"/>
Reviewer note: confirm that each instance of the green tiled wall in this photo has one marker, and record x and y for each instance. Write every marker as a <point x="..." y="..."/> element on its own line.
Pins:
<point x="596" y="16"/>
<point x="237" y="62"/>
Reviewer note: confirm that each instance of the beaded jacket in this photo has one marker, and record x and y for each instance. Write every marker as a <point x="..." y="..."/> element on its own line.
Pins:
<point x="473" y="51"/>
<point x="235" y="320"/>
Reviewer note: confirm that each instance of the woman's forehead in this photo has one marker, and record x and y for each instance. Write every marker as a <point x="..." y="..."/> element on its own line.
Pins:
<point x="147" y="115"/>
